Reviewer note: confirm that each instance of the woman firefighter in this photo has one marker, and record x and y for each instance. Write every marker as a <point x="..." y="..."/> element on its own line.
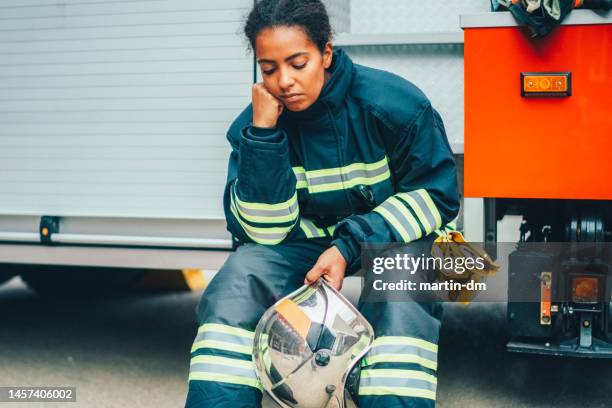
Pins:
<point x="329" y="155"/>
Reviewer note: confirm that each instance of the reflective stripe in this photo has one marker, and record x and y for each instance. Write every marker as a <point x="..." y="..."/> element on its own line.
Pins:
<point x="223" y="337"/>
<point x="223" y="365"/>
<point x="400" y="218"/>
<point x="224" y="361"/>
<point x="224" y="328"/>
<point x="401" y="383"/>
<point x="228" y="338"/>
<point x="403" y="349"/>
<point x="416" y="203"/>
<point x="310" y="229"/>
<point x="408" y="341"/>
<point x="398" y="374"/>
<point x="266" y="213"/>
<point x="402" y="392"/>
<point x="339" y="178"/>
<point x="300" y="176"/>
<point x="432" y="207"/>
<point x="221" y="345"/>
<point x="231" y="379"/>
<point x="331" y="229"/>
<point x="399" y="349"/>
<point x="265" y="236"/>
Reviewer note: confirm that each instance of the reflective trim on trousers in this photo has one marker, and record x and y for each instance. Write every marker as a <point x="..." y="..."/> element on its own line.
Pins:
<point x="400" y="349"/>
<point x="224" y="337"/>
<point x="397" y="382"/>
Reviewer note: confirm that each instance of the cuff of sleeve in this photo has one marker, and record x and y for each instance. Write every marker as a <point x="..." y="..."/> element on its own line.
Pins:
<point x="350" y="251"/>
<point x="267" y="135"/>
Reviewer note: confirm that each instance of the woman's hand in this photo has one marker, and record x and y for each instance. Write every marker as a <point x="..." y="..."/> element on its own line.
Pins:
<point x="266" y="108"/>
<point x="331" y="265"/>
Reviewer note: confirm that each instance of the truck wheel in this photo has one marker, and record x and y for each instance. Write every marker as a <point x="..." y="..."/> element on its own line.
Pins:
<point x="77" y="281"/>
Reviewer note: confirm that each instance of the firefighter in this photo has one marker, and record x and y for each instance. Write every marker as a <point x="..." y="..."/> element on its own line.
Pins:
<point x="329" y="155"/>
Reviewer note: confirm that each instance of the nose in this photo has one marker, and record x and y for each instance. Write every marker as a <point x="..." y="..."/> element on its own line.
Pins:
<point x="285" y="81"/>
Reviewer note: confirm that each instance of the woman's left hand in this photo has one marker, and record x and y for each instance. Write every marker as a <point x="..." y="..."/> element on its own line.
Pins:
<point x="331" y="265"/>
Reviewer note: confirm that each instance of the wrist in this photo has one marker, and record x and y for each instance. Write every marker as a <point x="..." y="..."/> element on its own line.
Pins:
<point x="264" y="123"/>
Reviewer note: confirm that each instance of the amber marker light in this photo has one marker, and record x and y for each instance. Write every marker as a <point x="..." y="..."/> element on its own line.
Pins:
<point x="585" y="289"/>
<point x="546" y="84"/>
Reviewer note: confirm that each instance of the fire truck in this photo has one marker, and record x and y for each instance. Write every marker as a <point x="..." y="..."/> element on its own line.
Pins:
<point x="538" y="138"/>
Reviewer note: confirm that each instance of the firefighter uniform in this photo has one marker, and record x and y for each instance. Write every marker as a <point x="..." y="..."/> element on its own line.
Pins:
<point x="368" y="162"/>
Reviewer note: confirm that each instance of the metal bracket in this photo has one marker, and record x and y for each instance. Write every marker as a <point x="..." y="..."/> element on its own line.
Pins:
<point x="545" y="298"/>
<point x="586" y="330"/>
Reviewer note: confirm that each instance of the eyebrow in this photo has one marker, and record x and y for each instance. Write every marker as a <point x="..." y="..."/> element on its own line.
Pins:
<point x="292" y="56"/>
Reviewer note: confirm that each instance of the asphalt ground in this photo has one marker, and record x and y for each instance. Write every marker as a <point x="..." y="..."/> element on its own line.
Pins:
<point x="133" y="351"/>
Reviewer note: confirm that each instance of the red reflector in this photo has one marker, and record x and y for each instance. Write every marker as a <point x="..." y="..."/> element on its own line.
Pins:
<point x="585" y="289"/>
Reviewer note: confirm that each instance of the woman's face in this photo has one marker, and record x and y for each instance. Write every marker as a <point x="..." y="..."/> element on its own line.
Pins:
<point x="292" y="67"/>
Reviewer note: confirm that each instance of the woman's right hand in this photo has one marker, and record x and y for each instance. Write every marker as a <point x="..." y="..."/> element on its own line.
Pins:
<point x="266" y="108"/>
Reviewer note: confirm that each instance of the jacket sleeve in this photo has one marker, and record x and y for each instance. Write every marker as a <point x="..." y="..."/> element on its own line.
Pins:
<point x="425" y="185"/>
<point x="260" y="199"/>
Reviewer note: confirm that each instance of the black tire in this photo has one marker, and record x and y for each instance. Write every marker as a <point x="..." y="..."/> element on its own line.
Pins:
<point x="77" y="281"/>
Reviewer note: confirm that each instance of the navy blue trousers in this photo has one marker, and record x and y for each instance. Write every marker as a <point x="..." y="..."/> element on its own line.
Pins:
<point x="399" y="370"/>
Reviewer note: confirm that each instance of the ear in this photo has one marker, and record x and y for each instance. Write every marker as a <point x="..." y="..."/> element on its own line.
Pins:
<point x="327" y="55"/>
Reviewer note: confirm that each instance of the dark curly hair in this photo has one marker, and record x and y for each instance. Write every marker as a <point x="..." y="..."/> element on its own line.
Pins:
<point x="309" y="15"/>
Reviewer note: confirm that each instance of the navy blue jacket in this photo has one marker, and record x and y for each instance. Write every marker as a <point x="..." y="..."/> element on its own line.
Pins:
<point x="369" y="161"/>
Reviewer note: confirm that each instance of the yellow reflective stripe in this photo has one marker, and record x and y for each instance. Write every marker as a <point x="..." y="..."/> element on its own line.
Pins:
<point x="407" y="215"/>
<point x="232" y="379"/>
<point x="231" y="362"/>
<point x="306" y="230"/>
<point x="395" y="373"/>
<point x="400" y="358"/>
<point x="300" y="175"/>
<point x="331" y="229"/>
<point x="258" y="235"/>
<point x="334" y="171"/>
<point x="405" y="341"/>
<point x="269" y="207"/>
<point x="310" y="229"/>
<point x="417" y="210"/>
<point x="349" y="183"/>
<point x="222" y="328"/>
<point x="434" y="210"/>
<point x="394" y="222"/>
<point x="268" y="218"/>
<point x="221" y="345"/>
<point x="400" y="391"/>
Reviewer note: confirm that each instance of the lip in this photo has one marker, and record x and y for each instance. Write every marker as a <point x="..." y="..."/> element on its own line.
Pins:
<point x="292" y="98"/>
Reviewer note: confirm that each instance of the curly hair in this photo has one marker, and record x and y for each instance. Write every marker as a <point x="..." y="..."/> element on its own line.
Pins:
<point x="309" y="15"/>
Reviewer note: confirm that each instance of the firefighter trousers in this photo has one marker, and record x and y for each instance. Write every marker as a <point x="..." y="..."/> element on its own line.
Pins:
<point x="399" y="370"/>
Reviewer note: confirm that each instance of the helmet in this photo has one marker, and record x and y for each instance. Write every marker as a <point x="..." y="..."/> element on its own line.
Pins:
<point x="307" y="343"/>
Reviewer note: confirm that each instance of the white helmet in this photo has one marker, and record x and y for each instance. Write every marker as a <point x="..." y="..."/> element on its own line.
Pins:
<point x="307" y="343"/>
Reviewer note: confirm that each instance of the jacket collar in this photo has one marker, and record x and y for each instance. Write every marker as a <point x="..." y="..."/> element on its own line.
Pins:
<point x="334" y="91"/>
